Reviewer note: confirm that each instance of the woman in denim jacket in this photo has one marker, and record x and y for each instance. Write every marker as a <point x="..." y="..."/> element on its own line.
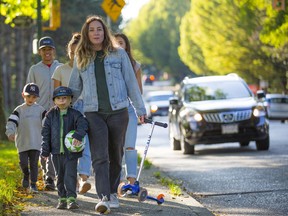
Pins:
<point x="103" y="73"/>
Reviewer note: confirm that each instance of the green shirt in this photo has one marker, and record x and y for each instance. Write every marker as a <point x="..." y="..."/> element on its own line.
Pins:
<point x="62" y="113"/>
<point x="102" y="90"/>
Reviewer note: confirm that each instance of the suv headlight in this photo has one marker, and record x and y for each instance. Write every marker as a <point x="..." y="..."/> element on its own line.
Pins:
<point x="197" y="117"/>
<point x="258" y="112"/>
<point x="153" y="108"/>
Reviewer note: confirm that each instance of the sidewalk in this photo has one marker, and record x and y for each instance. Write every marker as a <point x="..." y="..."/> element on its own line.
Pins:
<point x="45" y="202"/>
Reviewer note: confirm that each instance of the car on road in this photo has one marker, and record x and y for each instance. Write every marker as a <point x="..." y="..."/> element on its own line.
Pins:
<point x="149" y="79"/>
<point x="157" y="103"/>
<point x="277" y="106"/>
<point x="217" y="109"/>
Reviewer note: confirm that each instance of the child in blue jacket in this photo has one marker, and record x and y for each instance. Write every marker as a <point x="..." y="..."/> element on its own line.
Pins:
<point x="59" y="121"/>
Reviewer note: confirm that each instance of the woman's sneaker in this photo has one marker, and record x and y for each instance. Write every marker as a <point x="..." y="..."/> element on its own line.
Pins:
<point x="103" y="206"/>
<point x="114" y="201"/>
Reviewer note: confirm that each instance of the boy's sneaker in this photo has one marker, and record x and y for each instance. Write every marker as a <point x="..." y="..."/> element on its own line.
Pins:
<point x="25" y="182"/>
<point x="114" y="201"/>
<point x="49" y="184"/>
<point x="33" y="188"/>
<point x="71" y="203"/>
<point x="62" y="203"/>
<point x="84" y="186"/>
<point x="103" y="206"/>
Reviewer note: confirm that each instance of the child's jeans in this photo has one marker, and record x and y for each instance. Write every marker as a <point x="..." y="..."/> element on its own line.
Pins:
<point x="31" y="157"/>
<point x="130" y="155"/>
<point x="84" y="165"/>
<point x="66" y="173"/>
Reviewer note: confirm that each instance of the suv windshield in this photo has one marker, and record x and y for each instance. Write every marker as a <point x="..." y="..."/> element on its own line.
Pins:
<point x="216" y="91"/>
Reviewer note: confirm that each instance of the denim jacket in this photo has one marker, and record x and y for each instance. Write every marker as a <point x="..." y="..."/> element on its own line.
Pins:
<point x="120" y="79"/>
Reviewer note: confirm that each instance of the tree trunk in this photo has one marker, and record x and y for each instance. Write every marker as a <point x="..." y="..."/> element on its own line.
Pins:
<point x="2" y="69"/>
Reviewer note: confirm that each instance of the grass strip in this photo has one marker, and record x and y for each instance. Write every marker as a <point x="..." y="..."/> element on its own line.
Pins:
<point x="174" y="187"/>
<point x="10" y="179"/>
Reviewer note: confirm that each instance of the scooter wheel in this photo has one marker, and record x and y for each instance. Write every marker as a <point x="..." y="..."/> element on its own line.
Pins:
<point x="120" y="190"/>
<point x="160" y="199"/>
<point x="142" y="195"/>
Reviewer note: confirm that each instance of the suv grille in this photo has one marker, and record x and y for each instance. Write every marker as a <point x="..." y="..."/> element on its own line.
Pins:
<point x="226" y="117"/>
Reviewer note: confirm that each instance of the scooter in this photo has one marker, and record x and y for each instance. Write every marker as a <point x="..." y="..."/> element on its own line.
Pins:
<point x="135" y="188"/>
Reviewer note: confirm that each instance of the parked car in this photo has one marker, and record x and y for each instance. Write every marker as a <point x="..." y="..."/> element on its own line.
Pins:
<point x="149" y="79"/>
<point x="217" y="109"/>
<point x="277" y="106"/>
<point x="157" y="103"/>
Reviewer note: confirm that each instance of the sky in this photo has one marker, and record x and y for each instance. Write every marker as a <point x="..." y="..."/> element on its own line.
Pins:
<point x="132" y="7"/>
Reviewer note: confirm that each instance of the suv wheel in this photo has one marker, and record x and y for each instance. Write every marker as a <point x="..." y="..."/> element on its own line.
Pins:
<point x="242" y="144"/>
<point x="175" y="144"/>
<point x="263" y="145"/>
<point x="186" y="147"/>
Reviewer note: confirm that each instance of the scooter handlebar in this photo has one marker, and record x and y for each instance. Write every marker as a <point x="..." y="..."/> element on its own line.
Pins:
<point x="164" y="125"/>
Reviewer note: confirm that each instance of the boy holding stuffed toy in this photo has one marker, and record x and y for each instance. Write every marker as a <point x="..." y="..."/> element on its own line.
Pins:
<point x="59" y="121"/>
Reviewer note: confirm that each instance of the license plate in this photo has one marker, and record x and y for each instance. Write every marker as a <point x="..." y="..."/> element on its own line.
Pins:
<point x="229" y="129"/>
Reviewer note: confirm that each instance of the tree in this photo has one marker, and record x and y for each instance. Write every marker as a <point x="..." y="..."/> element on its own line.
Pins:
<point x="189" y="52"/>
<point x="17" y="42"/>
<point x="155" y="34"/>
<point x="228" y="36"/>
<point x="10" y="9"/>
<point x="72" y="21"/>
<point x="2" y="113"/>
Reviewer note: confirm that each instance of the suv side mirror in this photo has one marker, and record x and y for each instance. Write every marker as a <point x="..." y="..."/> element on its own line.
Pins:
<point x="260" y="94"/>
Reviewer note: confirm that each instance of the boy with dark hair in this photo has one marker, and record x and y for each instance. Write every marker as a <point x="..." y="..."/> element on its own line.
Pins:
<point x="59" y="121"/>
<point x="24" y="127"/>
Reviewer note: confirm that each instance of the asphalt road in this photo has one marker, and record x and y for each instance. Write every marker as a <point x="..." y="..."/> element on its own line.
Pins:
<point x="227" y="179"/>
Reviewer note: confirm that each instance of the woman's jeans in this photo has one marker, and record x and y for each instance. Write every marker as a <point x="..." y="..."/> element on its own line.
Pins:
<point x="106" y="135"/>
<point x="84" y="165"/>
<point x="130" y="155"/>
